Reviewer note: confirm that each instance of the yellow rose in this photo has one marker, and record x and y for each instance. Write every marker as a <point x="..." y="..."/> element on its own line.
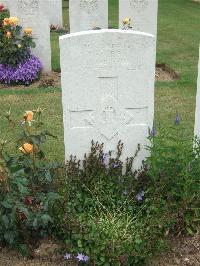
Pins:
<point x="28" y="31"/>
<point x="28" y="116"/>
<point x="126" y="21"/>
<point x="8" y="34"/>
<point x="26" y="148"/>
<point x="13" y="20"/>
<point x="6" y="21"/>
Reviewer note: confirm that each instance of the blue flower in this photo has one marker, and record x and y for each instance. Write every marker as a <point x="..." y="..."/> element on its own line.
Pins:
<point x="115" y="165"/>
<point x="106" y="159"/>
<point x="67" y="256"/>
<point x="140" y="195"/>
<point x="82" y="257"/>
<point x="177" y="119"/>
<point x="25" y="73"/>
<point x="153" y="131"/>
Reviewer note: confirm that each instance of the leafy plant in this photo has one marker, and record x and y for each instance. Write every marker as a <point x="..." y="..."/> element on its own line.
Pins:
<point x="27" y="194"/>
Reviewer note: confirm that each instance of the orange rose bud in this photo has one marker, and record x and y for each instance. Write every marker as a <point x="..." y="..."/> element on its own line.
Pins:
<point x="8" y="34"/>
<point x="6" y="21"/>
<point x="28" y="31"/>
<point x="26" y="148"/>
<point x="28" y="116"/>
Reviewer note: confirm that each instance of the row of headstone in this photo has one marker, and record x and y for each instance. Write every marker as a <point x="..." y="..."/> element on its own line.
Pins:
<point x="51" y="8"/>
<point x="38" y="15"/>
<point x="197" y="113"/>
<point x="31" y="15"/>
<point x="90" y="14"/>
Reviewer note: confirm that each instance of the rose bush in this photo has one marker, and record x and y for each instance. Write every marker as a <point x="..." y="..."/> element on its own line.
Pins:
<point x="17" y="64"/>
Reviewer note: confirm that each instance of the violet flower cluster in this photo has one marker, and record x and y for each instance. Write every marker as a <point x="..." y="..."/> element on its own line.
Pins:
<point x="80" y="257"/>
<point x="25" y="73"/>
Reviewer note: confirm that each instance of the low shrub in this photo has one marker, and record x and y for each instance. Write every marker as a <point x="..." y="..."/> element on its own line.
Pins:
<point x="27" y="192"/>
<point x="118" y="216"/>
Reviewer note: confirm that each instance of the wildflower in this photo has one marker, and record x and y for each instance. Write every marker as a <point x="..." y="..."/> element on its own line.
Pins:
<point x="67" y="256"/>
<point x="140" y="195"/>
<point x="6" y="21"/>
<point x="106" y="159"/>
<point x="153" y="131"/>
<point x="28" y="116"/>
<point x="115" y="165"/>
<point x="125" y="192"/>
<point x="28" y="31"/>
<point x="177" y="119"/>
<point x="80" y="257"/>
<point x="19" y="45"/>
<point x="86" y="258"/>
<point x="13" y="21"/>
<point x="8" y="34"/>
<point x="1" y="7"/>
<point x="26" y="148"/>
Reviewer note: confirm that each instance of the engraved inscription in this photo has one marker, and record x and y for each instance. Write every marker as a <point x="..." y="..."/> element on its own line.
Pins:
<point x="28" y="7"/>
<point x="139" y="5"/>
<point x="110" y="116"/>
<point x="89" y="6"/>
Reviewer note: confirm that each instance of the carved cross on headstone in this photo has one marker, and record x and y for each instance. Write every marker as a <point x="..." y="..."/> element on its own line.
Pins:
<point x="110" y="116"/>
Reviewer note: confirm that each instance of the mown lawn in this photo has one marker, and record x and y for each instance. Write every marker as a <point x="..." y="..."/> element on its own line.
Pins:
<point x="178" y="42"/>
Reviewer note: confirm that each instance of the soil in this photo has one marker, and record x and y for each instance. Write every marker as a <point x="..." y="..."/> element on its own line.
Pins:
<point x="53" y="79"/>
<point x="47" y="80"/>
<point x="185" y="251"/>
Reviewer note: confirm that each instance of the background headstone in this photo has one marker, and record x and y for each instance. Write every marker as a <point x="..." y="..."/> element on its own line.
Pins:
<point x="87" y="14"/>
<point x="32" y="15"/>
<point x="107" y="90"/>
<point x="197" y="114"/>
<point x="143" y="14"/>
<point x="53" y="10"/>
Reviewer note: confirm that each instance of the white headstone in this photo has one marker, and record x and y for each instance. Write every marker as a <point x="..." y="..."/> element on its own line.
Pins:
<point x="143" y="14"/>
<point x="107" y="90"/>
<point x="31" y="15"/>
<point x="53" y="10"/>
<point x="88" y="14"/>
<point x="197" y="114"/>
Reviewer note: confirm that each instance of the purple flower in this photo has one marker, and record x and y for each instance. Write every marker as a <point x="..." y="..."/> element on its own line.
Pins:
<point x="140" y="195"/>
<point x="67" y="256"/>
<point x="153" y="131"/>
<point x="25" y="73"/>
<point x="125" y="192"/>
<point x="115" y="165"/>
<point x="86" y="258"/>
<point x="177" y="119"/>
<point x="106" y="159"/>
<point x="82" y="257"/>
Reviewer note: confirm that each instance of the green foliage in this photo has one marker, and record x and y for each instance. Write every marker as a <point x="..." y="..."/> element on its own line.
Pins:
<point x="27" y="192"/>
<point x="14" y="45"/>
<point x="174" y="183"/>
<point x="120" y="217"/>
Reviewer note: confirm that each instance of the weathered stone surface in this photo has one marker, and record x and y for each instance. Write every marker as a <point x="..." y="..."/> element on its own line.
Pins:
<point x="108" y="90"/>
<point x="197" y="114"/>
<point x="143" y="14"/>
<point x="88" y="14"/>
<point x="31" y="15"/>
<point x="53" y="10"/>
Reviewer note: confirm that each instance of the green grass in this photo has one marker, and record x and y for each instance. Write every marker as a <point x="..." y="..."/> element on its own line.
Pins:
<point x="178" y="41"/>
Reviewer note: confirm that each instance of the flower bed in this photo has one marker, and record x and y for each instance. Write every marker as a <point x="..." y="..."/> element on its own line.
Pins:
<point x="24" y="73"/>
